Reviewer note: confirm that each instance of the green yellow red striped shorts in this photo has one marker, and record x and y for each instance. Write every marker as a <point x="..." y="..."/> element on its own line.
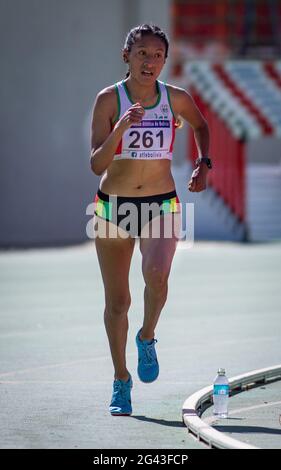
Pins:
<point x="133" y="213"/>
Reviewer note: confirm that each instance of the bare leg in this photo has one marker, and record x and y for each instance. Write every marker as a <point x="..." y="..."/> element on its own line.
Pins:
<point x="114" y="255"/>
<point x="158" y="255"/>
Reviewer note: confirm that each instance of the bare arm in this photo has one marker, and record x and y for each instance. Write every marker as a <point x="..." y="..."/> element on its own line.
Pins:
<point x="104" y="141"/>
<point x="185" y="106"/>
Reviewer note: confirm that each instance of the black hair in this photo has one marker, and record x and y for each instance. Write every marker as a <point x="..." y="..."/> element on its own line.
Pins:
<point x="144" y="30"/>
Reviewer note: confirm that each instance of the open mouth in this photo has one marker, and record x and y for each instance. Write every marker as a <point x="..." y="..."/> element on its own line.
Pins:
<point x="146" y="73"/>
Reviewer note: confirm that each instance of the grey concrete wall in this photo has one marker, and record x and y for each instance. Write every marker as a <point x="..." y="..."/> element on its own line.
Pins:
<point x="55" y="57"/>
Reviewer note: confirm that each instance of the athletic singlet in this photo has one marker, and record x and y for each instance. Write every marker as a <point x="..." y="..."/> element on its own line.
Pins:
<point x="153" y="137"/>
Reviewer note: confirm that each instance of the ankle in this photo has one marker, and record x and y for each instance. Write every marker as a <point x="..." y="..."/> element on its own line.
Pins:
<point x="124" y="377"/>
<point x="146" y="337"/>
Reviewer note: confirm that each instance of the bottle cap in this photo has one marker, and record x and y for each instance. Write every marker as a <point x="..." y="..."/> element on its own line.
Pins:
<point x="221" y="371"/>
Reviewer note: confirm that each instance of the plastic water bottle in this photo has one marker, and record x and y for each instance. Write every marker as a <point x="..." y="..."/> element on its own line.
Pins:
<point x="221" y="394"/>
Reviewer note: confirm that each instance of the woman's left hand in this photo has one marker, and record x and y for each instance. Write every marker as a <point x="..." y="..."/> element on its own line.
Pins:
<point x="198" y="181"/>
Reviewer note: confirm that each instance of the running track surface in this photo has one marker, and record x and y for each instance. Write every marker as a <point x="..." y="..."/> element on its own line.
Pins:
<point x="56" y="373"/>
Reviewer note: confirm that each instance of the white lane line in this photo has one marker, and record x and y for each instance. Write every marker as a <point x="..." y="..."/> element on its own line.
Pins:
<point x="79" y="361"/>
<point x="105" y="382"/>
<point x="24" y="382"/>
<point x="71" y="363"/>
<point x="212" y="419"/>
<point x="52" y="366"/>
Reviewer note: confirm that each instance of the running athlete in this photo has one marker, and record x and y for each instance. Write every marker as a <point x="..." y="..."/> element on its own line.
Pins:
<point x="133" y="130"/>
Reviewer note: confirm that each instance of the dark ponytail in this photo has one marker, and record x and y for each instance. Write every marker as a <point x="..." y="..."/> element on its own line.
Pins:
<point x="144" y="30"/>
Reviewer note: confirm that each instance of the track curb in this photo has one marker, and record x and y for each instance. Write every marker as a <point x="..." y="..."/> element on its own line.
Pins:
<point x="196" y="404"/>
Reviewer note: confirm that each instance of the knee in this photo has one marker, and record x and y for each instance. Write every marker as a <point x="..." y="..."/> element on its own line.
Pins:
<point x="156" y="279"/>
<point x="117" y="304"/>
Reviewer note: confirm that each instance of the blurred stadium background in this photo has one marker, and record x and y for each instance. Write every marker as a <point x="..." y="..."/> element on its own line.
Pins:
<point x="56" y="56"/>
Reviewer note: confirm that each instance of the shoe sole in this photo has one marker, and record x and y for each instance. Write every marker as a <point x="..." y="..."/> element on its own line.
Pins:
<point x="148" y="381"/>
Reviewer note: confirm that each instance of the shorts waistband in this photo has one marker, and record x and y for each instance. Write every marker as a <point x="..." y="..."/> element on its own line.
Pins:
<point x="136" y="199"/>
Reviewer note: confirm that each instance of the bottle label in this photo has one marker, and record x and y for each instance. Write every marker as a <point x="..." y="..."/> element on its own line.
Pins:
<point x="221" y="389"/>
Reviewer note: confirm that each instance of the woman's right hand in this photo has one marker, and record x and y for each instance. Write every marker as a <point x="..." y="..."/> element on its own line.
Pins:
<point x="133" y="115"/>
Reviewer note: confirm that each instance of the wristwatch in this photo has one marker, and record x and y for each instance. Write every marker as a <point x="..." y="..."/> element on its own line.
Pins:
<point x="206" y="160"/>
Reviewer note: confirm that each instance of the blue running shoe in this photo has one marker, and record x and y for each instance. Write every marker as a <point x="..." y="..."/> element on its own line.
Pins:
<point x="148" y="367"/>
<point x="121" y="398"/>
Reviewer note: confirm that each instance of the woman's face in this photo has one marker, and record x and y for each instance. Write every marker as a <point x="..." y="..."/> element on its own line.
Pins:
<point x="146" y="58"/>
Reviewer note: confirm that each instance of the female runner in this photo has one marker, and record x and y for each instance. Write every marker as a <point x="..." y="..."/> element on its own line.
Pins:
<point x="133" y="130"/>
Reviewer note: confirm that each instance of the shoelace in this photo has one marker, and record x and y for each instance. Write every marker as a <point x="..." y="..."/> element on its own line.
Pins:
<point x="121" y="388"/>
<point x="150" y="352"/>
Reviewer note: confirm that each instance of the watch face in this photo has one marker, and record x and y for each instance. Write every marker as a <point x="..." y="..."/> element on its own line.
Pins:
<point x="204" y="159"/>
